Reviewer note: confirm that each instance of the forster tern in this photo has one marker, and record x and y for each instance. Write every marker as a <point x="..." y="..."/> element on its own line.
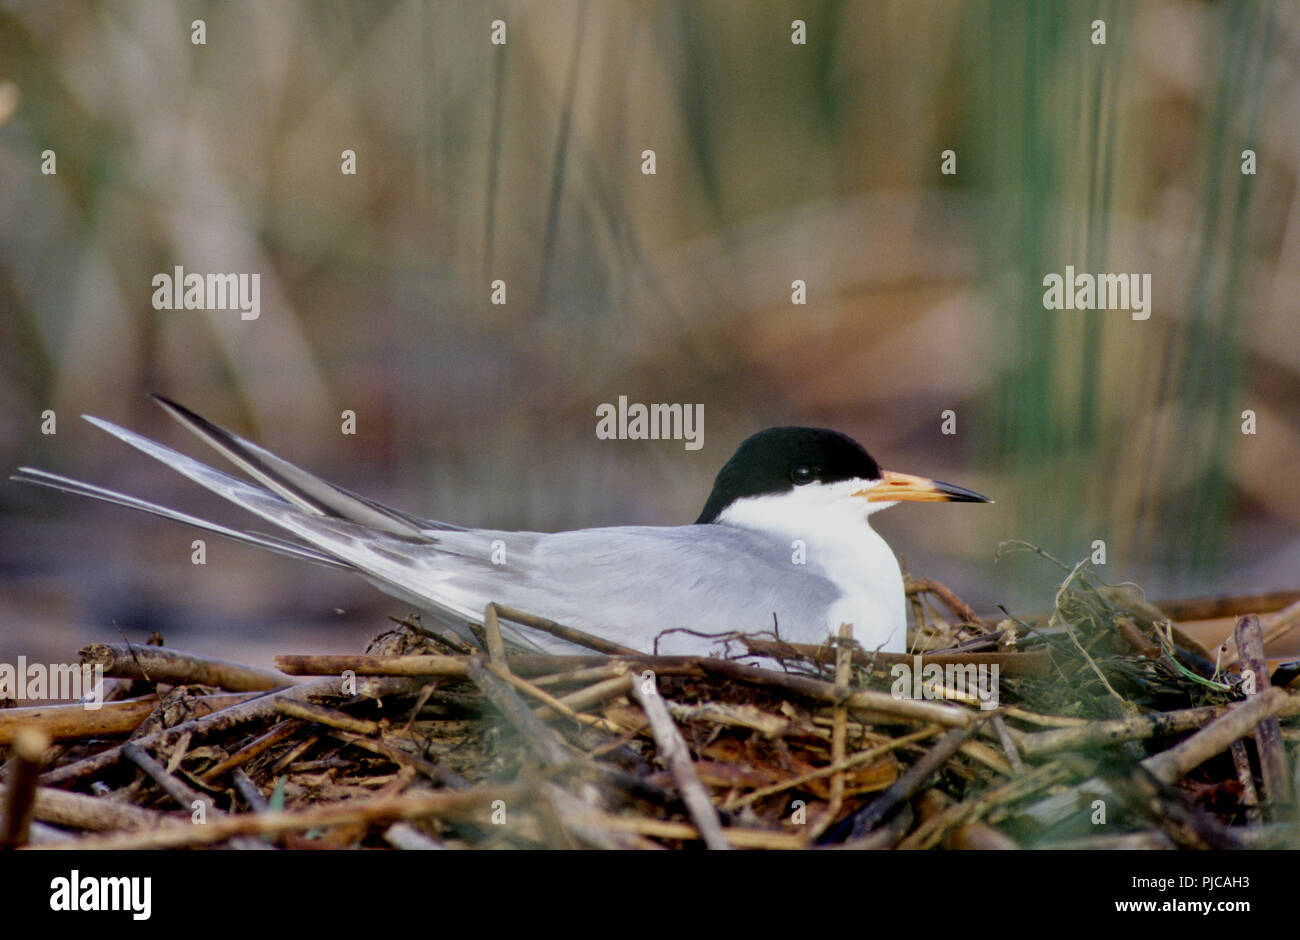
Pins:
<point x="784" y="542"/>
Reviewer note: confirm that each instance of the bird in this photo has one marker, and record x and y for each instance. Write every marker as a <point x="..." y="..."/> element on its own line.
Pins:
<point x="783" y="545"/>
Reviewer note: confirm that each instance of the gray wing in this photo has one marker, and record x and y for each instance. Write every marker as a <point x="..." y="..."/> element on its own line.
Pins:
<point x="630" y="583"/>
<point x="627" y="584"/>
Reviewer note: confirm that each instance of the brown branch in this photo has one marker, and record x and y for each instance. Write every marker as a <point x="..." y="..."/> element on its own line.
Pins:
<point x="1274" y="773"/>
<point x="159" y="664"/>
<point x="674" y="753"/>
<point x="262" y="708"/>
<point x="24" y="767"/>
<point x="564" y="633"/>
<point x="353" y="812"/>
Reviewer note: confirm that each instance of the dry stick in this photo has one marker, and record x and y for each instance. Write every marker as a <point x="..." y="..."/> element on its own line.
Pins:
<point x="79" y="811"/>
<point x="1114" y="731"/>
<point x="68" y="722"/>
<point x="261" y="744"/>
<point x="913" y="709"/>
<point x="178" y="668"/>
<point x="1246" y="777"/>
<point x="181" y="792"/>
<point x="403" y="759"/>
<point x="335" y="665"/>
<point x="1032" y="663"/>
<point x="582" y="676"/>
<point x="736" y="716"/>
<point x="1169" y="811"/>
<point x="931" y="831"/>
<point x="1171" y="765"/>
<point x="1274" y="773"/>
<point x="330" y="717"/>
<point x="64" y="722"/>
<point x="1043" y="721"/>
<point x="353" y="812"/>
<point x="523" y="685"/>
<point x="249" y="791"/>
<point x="1008" y="745"/>
<point x="261" y="708"/>
<point x="950" y="600"/>
<point x="20" y="794"/>
<point x="843" y="672"/>
<point x="1136" y="638"/>
<point x="853" y="760"/>
<point x="544" y="742"/>
<point x="594" y="694"/>
<point x="496" y="646"/>
<point x="565" y="633"/>
<point x="528" y="664"/>
<point x="901" y="789"/>
<point x="972" y="835"/>
<point x="1212" y="608"/>
<point x="674" y="753"/>
<point x="1274" y="626"/>
<point x="1281" y="623"/>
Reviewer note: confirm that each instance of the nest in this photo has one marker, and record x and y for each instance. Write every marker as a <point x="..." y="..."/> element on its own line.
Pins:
<point x="1097" y="724"/>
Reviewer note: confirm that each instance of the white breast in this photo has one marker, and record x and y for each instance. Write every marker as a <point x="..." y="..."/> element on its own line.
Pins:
<point x="841" y="546"/>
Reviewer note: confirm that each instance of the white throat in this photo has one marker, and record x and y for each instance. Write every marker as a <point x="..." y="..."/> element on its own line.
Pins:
<point x="838" y="543"/>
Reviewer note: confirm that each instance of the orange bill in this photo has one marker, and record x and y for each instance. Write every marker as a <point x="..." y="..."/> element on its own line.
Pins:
<point x="900" y="487"/>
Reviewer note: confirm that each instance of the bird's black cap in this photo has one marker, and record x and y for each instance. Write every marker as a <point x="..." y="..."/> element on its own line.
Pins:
<point x="778" y="459"/>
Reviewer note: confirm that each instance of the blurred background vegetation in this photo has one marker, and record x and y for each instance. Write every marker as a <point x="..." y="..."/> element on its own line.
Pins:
<point x="523" y="162"/>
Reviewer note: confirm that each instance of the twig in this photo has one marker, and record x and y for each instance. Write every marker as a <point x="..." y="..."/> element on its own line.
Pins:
<point x="964" y="611"/>
<point x="160" y="664"/>
<point x="1030" y="663"/>
<point x="1212" y="608"/>
<point x="1246" y="777"/>
<point x="843" y="672"/>
<point x="79" y="811"/>
<point x="564" y="633"/>
<point x="544" y="742"/>
<point x="261" y="708"/>
<point x="249" y="791"/>
<point x="901" y="789"/>
<point x="392" y="752"/>
<point x="330" y="717"/>
<point x="1275" y="775"/>
<point x="1102" y="733"/>
<point x="180" y="792"/>
<point x="496" y="646"/>
<point x="1008" y="745"/>
<point x="402" y="806"/>
<point x="912" y="709"/>
<point x="68" y="722"/>
<point x="673" y="752"/>
<point x="1169" y="766"/>
<point x="853" y="760"/>
<point x="278" y="733"/>
<point x="20" y="793"/>
<point x="931" y="831"/>
<point x="335" y="665"/>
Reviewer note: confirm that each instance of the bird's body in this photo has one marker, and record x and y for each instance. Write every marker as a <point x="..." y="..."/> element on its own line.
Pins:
<point x="783" y="544"/>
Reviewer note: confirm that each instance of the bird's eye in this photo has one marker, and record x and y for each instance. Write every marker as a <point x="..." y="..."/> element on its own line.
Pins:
<point x="802" y="475"/>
